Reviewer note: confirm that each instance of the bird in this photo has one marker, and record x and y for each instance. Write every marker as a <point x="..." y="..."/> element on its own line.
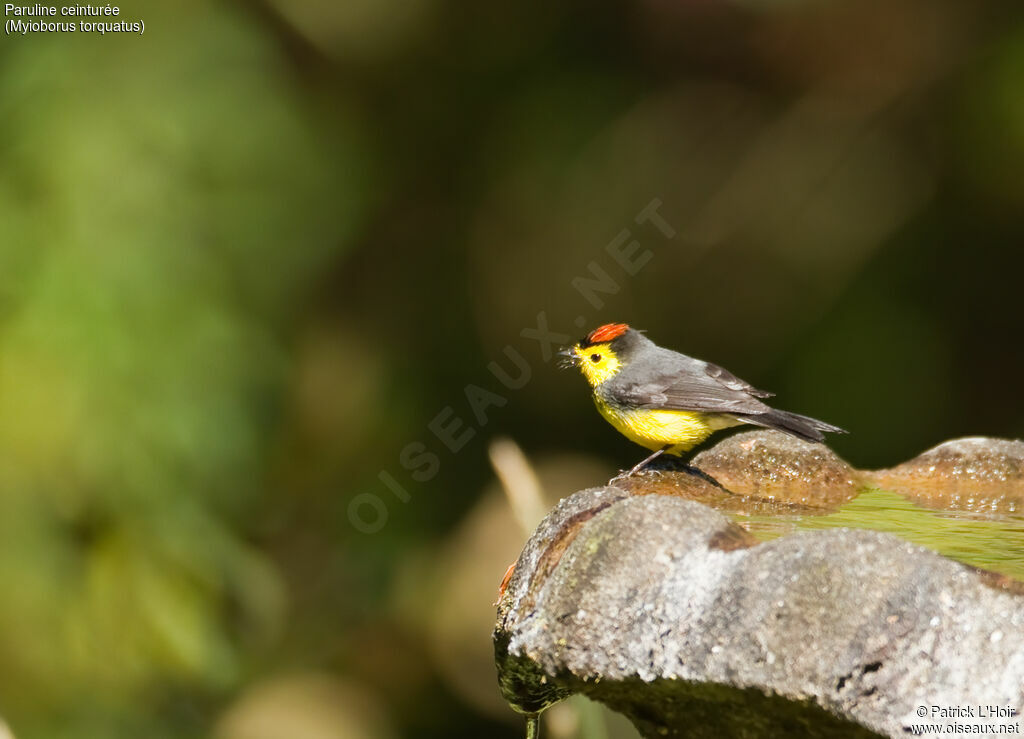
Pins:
<point x="669" y="402"/>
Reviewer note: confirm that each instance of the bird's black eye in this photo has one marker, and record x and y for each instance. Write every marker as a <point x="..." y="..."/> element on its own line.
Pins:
<point x="595" y="358"/>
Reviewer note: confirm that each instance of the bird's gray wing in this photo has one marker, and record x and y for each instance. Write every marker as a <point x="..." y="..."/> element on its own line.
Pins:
<point x="728" y="379"/>
<point x="696" y="386"/>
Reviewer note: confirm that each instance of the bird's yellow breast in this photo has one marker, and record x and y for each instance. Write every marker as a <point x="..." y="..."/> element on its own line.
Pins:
<point x="656" y="428"/>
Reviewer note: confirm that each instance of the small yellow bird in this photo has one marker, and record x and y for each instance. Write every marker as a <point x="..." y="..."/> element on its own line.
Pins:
<point x="667" y="401"/>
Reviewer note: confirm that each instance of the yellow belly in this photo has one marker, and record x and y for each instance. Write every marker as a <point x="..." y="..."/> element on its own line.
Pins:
<point x="656" y="428"/>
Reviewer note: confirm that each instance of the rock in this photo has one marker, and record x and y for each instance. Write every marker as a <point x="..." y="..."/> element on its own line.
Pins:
<point x="775" y="466"/>
<point x="668" y="612"/>
<point x="542" y="554"/>
<point x="973" y="474"/>
<point x="762" y="472"/>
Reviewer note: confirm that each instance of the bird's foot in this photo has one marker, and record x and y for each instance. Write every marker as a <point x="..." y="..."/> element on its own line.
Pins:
<point x="640" y="465"/>
<point x="683" y="467"/>
<point x="625" y="474"/>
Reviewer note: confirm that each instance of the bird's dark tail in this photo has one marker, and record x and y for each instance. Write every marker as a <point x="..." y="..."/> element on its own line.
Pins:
<point x="802" y="427"/>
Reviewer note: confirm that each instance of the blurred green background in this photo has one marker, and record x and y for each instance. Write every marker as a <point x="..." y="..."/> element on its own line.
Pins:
<point x="248" y="256"/>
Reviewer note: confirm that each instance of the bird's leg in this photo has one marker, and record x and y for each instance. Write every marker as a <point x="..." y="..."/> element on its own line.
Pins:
<point x="643" y="463"/>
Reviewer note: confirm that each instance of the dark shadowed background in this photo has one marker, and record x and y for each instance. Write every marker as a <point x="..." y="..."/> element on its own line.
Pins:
<point x="250" y="258"/>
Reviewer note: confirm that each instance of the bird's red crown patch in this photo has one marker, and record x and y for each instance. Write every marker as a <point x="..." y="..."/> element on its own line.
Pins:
<point x="608" y="332"/>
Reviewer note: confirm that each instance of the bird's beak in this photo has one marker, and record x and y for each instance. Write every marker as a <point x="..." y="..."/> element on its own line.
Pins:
<point x="569" y="357"/>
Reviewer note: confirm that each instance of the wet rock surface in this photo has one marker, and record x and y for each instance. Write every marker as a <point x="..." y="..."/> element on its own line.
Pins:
<point x="761" y="471"/>
<point x="670" y="613"/>
<point x="972" y="474"/>
<point x="778" y="467"/>
<point x="772" y="473"/>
